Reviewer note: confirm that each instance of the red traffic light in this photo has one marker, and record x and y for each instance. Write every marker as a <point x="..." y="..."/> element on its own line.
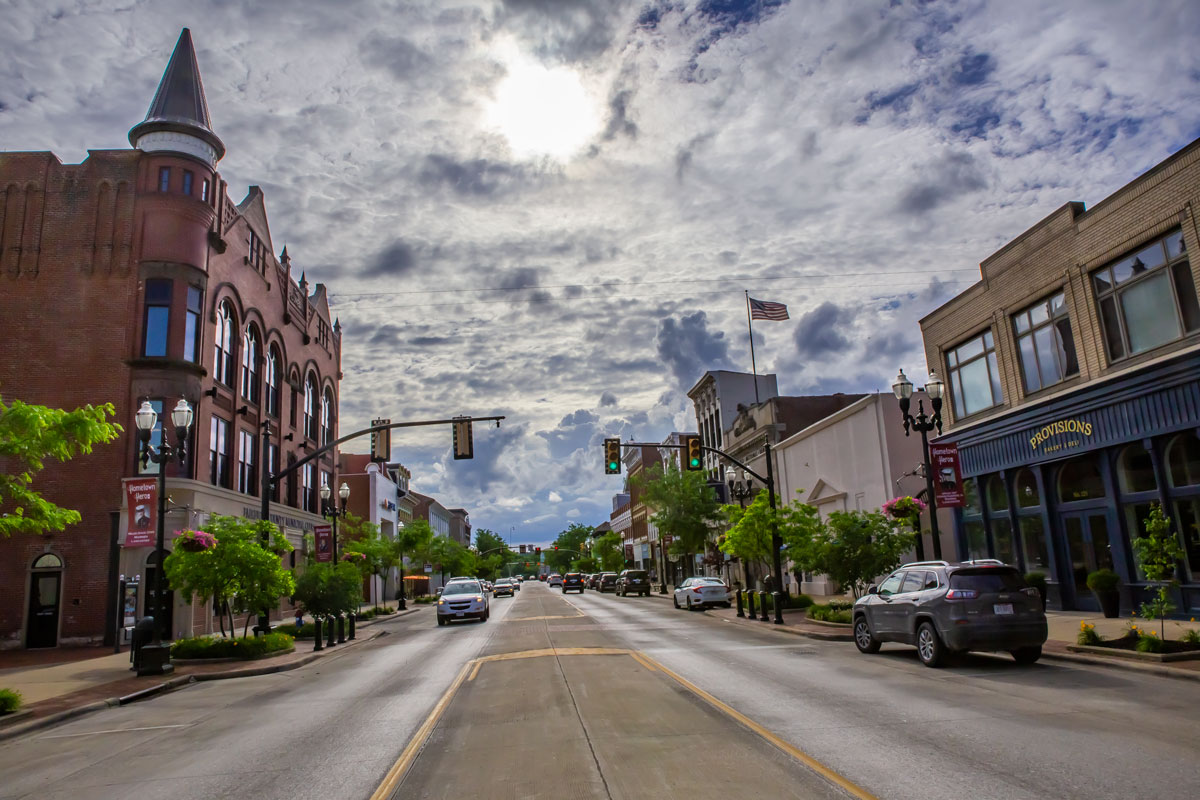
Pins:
<point x="555" y="547"/>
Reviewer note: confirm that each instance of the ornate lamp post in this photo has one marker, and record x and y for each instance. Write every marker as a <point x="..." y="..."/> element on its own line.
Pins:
<point x="741" y="487"/>
<point x="155" y="658"/>
<point x="333" y="510"/>
<point x="903" y="390"/>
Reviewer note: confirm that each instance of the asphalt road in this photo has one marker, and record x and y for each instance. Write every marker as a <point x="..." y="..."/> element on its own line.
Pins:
<point x="603" y="697"/>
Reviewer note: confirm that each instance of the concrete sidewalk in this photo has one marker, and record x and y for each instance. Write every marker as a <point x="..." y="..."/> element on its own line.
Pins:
<point x="64" y="688"/>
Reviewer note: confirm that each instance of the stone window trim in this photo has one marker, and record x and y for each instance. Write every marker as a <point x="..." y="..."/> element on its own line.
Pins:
<point x="952" y="366"/>
<point x="1022" y="327"/>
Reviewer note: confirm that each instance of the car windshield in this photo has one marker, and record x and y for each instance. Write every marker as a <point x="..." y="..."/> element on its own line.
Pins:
<point x="713" y="581"/>
<point x="462" y="588"/>
<point x="635" y="573"/>
<point x="573" y="575"/>
<point x="988" y="580"/>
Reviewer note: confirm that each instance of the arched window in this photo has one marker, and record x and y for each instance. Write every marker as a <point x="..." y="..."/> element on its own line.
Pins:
<point x="223" y="350"/>
<point x="1135" y="470"/>
<point x="272" y="382"/>
<point x="1183" y="461"/>
<point x="47" y="561"/>
<point x="997" y="498"/>
<point x="1080" y="479"/>
<point x="310" y="408"/>
<point x="250" y="365"/>
<point x="971" y="504"/>
<point x="1001" y="523"/>
<point x="1027" y="490"/>
<point x="327" y="418"/>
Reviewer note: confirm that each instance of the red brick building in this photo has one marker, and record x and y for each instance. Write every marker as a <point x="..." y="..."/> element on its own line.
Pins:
<point x="132" y="276"/>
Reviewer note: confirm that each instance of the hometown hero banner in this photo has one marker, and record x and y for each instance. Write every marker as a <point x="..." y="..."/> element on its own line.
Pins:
<point x="141" y="499"/>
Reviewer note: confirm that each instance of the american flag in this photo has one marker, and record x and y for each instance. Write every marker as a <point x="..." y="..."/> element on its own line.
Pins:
<point x="764" y="309"/>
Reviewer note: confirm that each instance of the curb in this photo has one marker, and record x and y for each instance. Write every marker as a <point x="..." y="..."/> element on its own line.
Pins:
<point x="1159" y="669"/>
<point x="61" y="716"/>
<point x="818" y="635"/>
<point x="271" y="669"/>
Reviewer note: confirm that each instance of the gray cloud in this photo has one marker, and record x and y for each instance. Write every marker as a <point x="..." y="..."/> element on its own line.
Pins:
<point x="608" y="399"/>
<point x="823" y="331"/>
<point x="477" y="177"/>
<point x="941" y="181"/>
<point x="688" y="347"/>
<point x="397" y="259"/>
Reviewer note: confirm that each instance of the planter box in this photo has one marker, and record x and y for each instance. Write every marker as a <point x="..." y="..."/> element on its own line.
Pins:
<point x="843" y="625"/>
<point x="1134" y="655"/>
<point x="188" y="662"/>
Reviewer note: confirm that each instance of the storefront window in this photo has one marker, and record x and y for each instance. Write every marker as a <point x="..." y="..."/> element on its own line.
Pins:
<point x="1183" y="460"/>
<point x="1188" y="514"/>
<point x="976" y="540"/>
<point x="1002" y="538"/>
<point x="1080" y="479"/>
<point x="997" y="499"/>
<point x="1135" y="470"/>
<point x="971" y="497"/>
<point x="1027" y="490"/>
<point x="1033" y="540"/>
<point x="1136" y="515"/>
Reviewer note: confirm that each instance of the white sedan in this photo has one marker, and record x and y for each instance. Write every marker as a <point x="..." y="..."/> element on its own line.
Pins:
<point x="701" y="592"/>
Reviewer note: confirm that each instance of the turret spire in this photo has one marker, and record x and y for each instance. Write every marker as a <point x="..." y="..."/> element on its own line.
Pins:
<point x="178" y="117"/>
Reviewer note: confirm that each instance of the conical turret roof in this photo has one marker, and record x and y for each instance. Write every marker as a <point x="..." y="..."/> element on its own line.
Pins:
<point x="179" y="105"/>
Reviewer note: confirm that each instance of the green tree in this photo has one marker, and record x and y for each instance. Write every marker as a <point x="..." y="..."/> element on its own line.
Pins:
<point x="412" y="545"/>
<point x="685" y="506"/>
<point x="1158" y="552"/>
<point x="493" y="553"/>
<point x="853" y="547"/>
<point x="606" y="549"/>
<point x="326" y="590"/>
<point x="571" y="545"/>
<point x="378" y="553"/>
<point x="448" y="556"/>
<point x="29" y="434"/>
<point x="749" y="534"/>
<point x="238" y="572"/>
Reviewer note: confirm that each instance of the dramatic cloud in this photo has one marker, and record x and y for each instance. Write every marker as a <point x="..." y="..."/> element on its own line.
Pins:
<point x="856" y="161"/>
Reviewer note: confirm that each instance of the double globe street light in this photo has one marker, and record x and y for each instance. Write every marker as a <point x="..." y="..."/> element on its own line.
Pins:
<point x="903" y="389"/>
<point x="154" y="658"/>
<point x="333" y="510"/>
<point x="741" y="487"/>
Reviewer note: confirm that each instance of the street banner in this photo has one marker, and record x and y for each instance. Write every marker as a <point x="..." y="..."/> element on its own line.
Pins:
<point x="629" y="552"/>
<point x="141" y="499"/>
<point x="947" y="475"/>
<point x="323" y="534"/>
<point x="667" y="538"/>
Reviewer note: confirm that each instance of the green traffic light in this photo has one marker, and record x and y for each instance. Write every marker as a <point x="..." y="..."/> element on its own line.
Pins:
<point x="612" y="465"/>
<point x="695" y="462"/>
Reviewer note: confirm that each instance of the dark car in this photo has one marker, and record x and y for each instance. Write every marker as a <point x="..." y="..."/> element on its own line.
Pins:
<point x="607" y="582"/>
<point x="945" y="608"/>
<point x="593" y="581"/>
<point x="504" y="588"/>
<point x="633" y="581"/>
<point x="572" y="582"/>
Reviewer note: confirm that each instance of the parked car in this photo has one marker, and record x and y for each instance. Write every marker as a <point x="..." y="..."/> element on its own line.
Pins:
<point x="945" y="608"/>
<point x="554" y="580"/>
<point x="572" y="582"/>
<point x="592" y="581"/>
<point x="542" y="578"/>
<point x="462" y="599"/>
<point x="504" y="588"/>
<point x="607" y="582"/>
<point x="633" y="581"/>
<point x="701" y="592"/>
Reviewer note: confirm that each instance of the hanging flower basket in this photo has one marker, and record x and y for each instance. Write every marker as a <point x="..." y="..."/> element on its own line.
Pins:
<point x="355" y="557"/>
<point x="195" y="541"/>
<point x="904" y="509"/>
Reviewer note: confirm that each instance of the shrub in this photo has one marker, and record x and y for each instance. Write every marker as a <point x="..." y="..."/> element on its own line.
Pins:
<point x="1103" y="580"/>
<point x="10" y="700"/>
<point x="1088" y="635"/>
<point x="245" y="648"/>
<point x="305" y="631"/>
<point x="1149" y="643"/>
<point x="836" y="611"/>
<point x="425" y="599"/>
<point x="363" y="616"/>
<point x="799" y="601"/>
<point x="1190" y="636"/>
<point x="383" y="610"/>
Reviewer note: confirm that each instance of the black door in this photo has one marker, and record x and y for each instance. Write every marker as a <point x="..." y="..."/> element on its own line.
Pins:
<point x="43" y="609"/>
<point x="1089" y="549"/>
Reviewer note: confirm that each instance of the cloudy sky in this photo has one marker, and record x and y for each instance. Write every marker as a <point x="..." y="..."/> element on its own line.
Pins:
<point x="549" y="209"/>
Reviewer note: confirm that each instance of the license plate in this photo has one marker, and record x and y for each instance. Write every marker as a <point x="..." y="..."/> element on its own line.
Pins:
<point x="1002" y="608"/>
<point x="459" y="613"/>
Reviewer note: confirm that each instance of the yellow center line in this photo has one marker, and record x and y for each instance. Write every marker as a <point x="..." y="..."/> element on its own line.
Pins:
<point x="638" y="657"/>
<point x="804" y="758"/>
<point x="551" y="616"/>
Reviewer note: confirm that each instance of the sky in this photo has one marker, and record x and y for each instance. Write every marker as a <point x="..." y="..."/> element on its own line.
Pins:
<point x="551" y="209"/>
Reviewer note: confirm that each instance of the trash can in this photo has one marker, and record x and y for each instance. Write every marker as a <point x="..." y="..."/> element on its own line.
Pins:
<point x="143" y="633"/>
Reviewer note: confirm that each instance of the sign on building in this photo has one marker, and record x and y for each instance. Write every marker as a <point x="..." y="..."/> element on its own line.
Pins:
<point x="141" y="498"/>
<point x="947" y="475"/>
<point x="323" y="536"/>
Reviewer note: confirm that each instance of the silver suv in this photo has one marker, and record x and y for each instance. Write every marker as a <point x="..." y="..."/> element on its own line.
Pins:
<point x="945" y="608"/>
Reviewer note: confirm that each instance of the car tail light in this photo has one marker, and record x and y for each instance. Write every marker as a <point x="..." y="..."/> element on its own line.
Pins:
<point x="697" y="590"/>
<point x="962" y="594"/>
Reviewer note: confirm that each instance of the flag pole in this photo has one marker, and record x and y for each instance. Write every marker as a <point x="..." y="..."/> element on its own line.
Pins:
<point x="753" y="365"/>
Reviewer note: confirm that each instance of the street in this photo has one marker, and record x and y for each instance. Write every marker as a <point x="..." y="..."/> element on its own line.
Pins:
<point x="599" y="696"/>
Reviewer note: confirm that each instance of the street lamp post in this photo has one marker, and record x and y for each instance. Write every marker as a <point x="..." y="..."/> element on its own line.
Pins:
<point x="741" y="487"/>
<point x="333" y="510"/>
<point x="923" y="423"/>
<point x="155" y="658"/>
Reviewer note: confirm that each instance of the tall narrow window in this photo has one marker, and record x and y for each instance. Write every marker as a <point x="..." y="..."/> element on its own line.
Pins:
<point x="164" y="179"/>
<point x="272" y="382"/>
<point x="188" y="177"/>
<point x="1147" y="299"/>
<point x="1045" y="343"/>
<point x="308" y="492"/>
<point x="327" y="418"/>
<point x="158" y="317"/>
<point x="310" y="408"/>
<point x="250" y="365"/>
<point x="974" y="376"/>
<point x="191" y="332"/>
<point x="247" y="476"/>
<point x="204" y="190"/>
<point x="223" y="349"/>
<point x="218" y="452"/>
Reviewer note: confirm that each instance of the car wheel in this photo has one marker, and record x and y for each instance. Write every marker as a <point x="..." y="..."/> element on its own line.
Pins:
<point x="1027" y="655"/>
<point x="675" y="600"/>
<point x="930" y="649"/>
<point x="728" y="604"/>
<point x="441" y="621"/>
<point x="863" y="639"/>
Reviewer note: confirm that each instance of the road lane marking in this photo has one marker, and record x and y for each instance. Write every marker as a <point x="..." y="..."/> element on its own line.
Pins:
<point x="645" y="663"/>
<point x="394" y="775"/>
<point x="552" y="616"/>
<point x="804" y="758"/>
<point x="546" y="652"/>
<point x="116" y="730"/>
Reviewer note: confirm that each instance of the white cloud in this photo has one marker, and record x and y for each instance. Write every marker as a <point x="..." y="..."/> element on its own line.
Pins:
<point x="554" y="497"/>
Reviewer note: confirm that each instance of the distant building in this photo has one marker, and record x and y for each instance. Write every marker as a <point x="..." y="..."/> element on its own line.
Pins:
<point x="376" y="496"/>
<point x="715" y="398"/>
<point x="460" y="526"/>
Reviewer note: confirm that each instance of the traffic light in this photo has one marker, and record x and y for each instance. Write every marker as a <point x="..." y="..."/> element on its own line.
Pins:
<point x="522" y="549"/>
<point x="381" y="442"/>
<point x="537" y="550"/>
<point x="612" y="456"/>
<point x="556" y="547"/>
<point x="692" y="453"/>
<point x="463" y="446"/>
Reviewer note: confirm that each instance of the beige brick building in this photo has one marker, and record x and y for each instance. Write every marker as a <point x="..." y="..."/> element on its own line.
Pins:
<point x="1072" y="387"/>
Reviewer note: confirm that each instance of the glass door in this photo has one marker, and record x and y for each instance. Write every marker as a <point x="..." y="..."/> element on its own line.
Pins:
<point x="1089" y="550"/>
<point x="43" y="610"/>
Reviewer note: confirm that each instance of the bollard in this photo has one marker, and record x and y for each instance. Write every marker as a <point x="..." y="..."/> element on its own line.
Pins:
<point x="317" y="644"/>
<point x="341" y="629"/>
<point x="352" y="617"/>
<point x="331" y="640"/>
<point x="778" y="598"/>
<point x="762" y="607"/>
<point x="750" y="605"/>
<point x="741" y="613"/>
